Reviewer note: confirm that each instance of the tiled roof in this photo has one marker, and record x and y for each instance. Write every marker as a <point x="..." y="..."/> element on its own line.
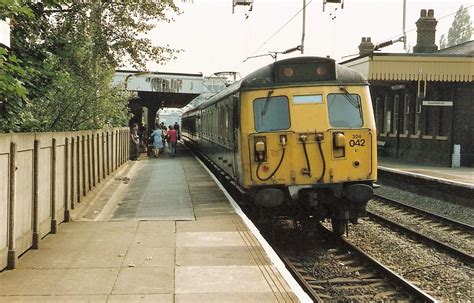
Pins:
<point x="466" y="48"/>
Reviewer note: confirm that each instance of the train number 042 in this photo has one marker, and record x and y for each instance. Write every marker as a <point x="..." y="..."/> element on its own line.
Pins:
<point x="358" y="142"/>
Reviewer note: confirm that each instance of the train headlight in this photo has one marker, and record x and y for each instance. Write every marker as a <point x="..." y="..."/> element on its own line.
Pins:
<point x="288" y="72"/>
<point x="321" y="71"/>
<point x="260" y="150"/>
<point x="339" y="140"/>
<point x="304" y="70"/>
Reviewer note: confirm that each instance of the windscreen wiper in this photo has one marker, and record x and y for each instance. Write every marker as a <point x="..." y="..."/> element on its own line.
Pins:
<point x="267" y="102"/>
<point x="350" y="98"/>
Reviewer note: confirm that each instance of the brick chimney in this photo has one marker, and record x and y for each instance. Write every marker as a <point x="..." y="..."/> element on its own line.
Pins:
<point x="366" y="47"/>
<point x="426" y="33"/>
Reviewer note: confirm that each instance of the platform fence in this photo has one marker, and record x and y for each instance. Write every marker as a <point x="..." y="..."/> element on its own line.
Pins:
<point x="42" y="178"/>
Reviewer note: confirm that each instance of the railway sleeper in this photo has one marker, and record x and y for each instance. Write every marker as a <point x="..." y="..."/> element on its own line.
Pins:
<point x="356" y="268"/>
<point x="349" y="287"/>
<point x="385" y="294"/>
<point x="343" y="280"/>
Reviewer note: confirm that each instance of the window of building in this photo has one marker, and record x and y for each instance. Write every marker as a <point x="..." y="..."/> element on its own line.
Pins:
<point x="417" y="128"/>
<point x="406" y="113"/>
<point x="344" y="110"/>
<point x="387" y="116"/>
<point x="396" y="116"/>
<point x="445" y="120"/>
<point x="379" y="114"/>
<point x="271" y="113"/>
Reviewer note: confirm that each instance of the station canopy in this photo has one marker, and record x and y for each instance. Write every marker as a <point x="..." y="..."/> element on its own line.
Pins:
<point x="174" y="90"/>
<point x="414" y="67"/>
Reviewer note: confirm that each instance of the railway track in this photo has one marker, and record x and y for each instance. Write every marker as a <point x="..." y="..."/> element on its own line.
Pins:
<point x="453" y="237"/>
<point x="338" y="270"/>
<point x="341" y="273"/>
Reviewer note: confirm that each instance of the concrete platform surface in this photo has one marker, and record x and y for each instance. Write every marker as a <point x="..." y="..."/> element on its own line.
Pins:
<point x="168" y="234"/>
<point x="462" y="175"/>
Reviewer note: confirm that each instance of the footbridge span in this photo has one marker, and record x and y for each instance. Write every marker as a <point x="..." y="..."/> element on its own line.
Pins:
<point x="155" y="90"/>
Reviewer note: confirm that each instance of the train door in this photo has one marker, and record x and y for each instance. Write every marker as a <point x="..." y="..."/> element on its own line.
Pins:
<point x="237" y="142"/>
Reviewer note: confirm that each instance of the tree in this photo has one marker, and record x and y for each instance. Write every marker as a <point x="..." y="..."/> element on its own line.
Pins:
<point x="13" y="93"/>
<point x="460" y="31"/>
<point x="64" y="54"/>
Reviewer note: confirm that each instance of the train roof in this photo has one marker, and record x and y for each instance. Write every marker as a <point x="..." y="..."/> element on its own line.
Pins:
<point x="265" y="78"/>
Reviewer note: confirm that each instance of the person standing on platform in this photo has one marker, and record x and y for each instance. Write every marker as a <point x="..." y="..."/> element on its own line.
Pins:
<point x="164" y="136"/>
<point x="178" y="132"/>
<point x="134" y="142"/>
<point x="142" y="138"/>
<point x="172" y="139"/>
<point x="157" y="136"/>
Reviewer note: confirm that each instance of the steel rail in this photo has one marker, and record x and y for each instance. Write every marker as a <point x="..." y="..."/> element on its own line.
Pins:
<point x="461" y="255"/>
<point x="301" y="280"/>
<point x="412" y="289"/>
<point x="464" y="226"/>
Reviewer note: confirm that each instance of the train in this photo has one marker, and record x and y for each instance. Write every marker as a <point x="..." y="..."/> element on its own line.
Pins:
<point x="297" y="137"/>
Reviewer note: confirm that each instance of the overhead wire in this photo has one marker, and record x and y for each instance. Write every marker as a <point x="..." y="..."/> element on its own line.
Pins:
<point x="309" y="2"/>
<point x="438" y="19"/>
<point x="281" y="28"/>
<point x="276" y="32"/>
<point x="413" y="29"/>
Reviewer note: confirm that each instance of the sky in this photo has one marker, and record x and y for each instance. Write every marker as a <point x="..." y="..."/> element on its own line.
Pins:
<point x="214" y="39"/>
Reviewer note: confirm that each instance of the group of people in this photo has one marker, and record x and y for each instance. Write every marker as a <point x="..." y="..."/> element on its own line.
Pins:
<point x="162" y="136"/>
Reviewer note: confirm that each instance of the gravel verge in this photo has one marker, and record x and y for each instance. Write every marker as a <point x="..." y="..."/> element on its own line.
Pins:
<point x="437" y="206"/>
<point x="440" y="275"/>
<point x="448" y="236"/>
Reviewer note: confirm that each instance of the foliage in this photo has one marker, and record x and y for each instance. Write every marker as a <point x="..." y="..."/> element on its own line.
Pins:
<point x="12" y="90"/>
<point x="63" y="58"/>
<point x="12" y="8"/>
<point x="460" y="31"/>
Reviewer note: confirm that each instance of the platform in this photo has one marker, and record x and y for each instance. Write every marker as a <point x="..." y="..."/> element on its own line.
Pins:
<point x="161" y="232"/>
<point x="462" y="176"/>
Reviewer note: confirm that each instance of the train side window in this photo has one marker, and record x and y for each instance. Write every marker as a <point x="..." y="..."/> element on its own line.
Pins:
<point x="271" y="113"/>
<point x="344" y="110"/>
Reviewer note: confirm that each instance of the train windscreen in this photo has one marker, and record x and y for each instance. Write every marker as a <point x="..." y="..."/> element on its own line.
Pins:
<point x="271" y="113"/>
<point x="344" y="110"/>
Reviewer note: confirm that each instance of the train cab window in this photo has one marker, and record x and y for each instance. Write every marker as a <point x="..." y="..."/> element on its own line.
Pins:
<point x="344" y="110"/>
<point x="307" y="99"/>
<point x="271" y="113"/>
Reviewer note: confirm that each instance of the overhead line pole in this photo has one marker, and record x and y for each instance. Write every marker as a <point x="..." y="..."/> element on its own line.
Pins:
<point x="304" y="26"/>
<point x="404" y="24"/>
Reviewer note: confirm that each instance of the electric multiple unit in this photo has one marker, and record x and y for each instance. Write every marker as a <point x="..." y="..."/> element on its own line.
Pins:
<point x="298" y="136"/>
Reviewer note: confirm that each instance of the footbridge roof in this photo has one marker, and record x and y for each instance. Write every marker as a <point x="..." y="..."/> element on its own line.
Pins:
<point x="174" y="90"/>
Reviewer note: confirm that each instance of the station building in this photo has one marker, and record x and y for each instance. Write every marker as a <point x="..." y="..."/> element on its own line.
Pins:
<point x="423" y="101"/>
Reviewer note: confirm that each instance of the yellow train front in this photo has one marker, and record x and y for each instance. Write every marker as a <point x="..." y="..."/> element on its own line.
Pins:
<point x="297" y="135"/>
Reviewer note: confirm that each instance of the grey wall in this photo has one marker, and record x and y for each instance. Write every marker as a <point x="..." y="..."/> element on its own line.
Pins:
<point x="42" y="176"/>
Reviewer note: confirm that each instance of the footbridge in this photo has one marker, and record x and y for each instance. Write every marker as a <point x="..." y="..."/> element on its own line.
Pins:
<point x="155" y="90"/>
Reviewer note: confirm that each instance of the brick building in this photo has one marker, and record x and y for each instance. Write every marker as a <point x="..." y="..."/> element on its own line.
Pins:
<point x="423" y="101"/>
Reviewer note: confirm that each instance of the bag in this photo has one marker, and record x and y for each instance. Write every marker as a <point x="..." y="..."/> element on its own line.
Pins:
<point x="151" y="139"/>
